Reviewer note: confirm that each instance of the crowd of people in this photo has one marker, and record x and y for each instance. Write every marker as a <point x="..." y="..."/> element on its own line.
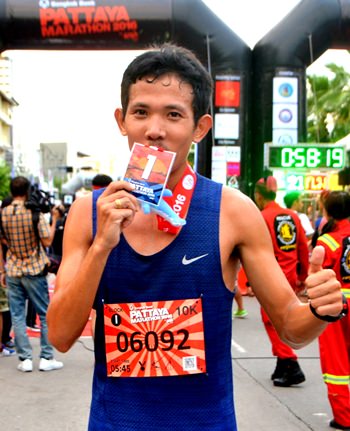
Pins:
<point x="30" y="239"/>
<point x="120" y="262"/>
<point x="289" y="236"/>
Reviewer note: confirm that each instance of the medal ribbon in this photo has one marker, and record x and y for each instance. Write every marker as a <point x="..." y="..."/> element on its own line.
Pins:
<point x="180" y="199"/>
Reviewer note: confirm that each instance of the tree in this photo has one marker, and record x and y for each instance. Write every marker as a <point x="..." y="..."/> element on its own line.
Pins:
<point x="5" y="178"/>
<point x="328" y="103"/>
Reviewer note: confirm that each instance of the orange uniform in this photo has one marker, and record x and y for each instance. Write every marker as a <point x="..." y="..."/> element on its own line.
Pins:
<point x="292" y="254"/>
<point x="334" y="342"/>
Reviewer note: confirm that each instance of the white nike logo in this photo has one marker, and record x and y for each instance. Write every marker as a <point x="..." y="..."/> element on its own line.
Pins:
<point x="186" y="261"/>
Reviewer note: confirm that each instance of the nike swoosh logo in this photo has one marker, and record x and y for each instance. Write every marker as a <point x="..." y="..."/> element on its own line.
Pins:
<point x="186" y="261"/>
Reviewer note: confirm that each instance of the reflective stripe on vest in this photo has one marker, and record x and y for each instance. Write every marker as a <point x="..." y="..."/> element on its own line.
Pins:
<point x="330" y="241"/>
<point x="336" y="380"/>
<point x="346" y="293"/>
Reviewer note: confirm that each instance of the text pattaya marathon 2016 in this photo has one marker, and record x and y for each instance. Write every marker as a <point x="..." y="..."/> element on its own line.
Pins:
<point x="90" y="19"/>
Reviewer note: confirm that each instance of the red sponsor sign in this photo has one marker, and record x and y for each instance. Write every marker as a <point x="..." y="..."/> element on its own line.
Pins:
<point x="227" y="94"/>
<point x="233" y="169"/>
<point x="316" y="182"/>
<point x="74" y="20"/>
<point x="154" y="339"/>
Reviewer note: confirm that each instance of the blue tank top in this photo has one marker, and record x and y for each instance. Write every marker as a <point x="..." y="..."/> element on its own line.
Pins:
<point x="196" y="402"/>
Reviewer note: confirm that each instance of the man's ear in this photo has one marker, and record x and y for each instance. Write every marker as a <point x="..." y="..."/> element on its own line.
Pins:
<point x="118" y="115"/>
<point x="257" y="198"/>
<point x="203" y="126"/>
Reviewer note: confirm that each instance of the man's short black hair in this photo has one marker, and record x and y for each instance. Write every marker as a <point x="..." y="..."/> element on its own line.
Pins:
<point x="171" y="59"/>
<point x="267" y="187"/>
<point x="19" y="186"/>
<point x="101" y="180"/>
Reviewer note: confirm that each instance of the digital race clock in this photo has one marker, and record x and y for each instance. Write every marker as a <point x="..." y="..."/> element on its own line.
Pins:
<point x="304" y="156"/>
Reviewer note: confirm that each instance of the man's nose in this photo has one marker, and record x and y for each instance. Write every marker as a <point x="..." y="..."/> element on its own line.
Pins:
<point x="155" y="128"/>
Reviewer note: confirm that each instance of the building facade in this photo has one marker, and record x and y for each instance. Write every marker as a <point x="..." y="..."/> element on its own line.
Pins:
<point x="7" y="105"/>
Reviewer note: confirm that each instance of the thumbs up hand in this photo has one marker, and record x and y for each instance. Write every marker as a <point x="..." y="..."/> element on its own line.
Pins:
<point x="316" y="260"/>
<point x="322" y="286"/>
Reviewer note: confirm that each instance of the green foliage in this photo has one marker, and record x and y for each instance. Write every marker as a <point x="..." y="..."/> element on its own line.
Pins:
<point x="328" y="102"/>
<point x="191" y="155"/>
<point x="4" y="180"/>
<point x="58" y="181"/>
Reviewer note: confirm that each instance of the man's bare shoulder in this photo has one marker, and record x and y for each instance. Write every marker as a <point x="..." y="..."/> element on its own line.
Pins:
<point x="240" y="213"/>
<point x="80" y="217"/>
<point x="82" y="204"/>
<point x="235" y="200"/>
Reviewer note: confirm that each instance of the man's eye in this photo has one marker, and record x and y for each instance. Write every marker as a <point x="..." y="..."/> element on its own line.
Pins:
<point x="174" y="114"/>
<point x="140" y="112"/>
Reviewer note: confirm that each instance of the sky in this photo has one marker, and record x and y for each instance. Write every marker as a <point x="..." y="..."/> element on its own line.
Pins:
<point x="70" y="96"/>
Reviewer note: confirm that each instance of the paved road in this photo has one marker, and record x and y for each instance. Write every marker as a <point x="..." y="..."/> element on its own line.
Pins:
<point x="59" y="400"/>
<point x="260" y="405"/>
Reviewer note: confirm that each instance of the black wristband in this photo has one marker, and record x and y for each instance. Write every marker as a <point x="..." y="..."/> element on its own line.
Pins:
<point x="342" y="314"/>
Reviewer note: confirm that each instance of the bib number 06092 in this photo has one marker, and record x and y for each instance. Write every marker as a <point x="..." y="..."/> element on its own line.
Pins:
<point x="151" y="341"/>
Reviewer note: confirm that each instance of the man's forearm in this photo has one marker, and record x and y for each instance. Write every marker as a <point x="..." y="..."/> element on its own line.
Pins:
<point x="71" y="304"/>
<point x="301" y="327"/>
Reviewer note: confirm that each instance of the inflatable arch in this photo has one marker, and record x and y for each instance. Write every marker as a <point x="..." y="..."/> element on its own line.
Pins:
<point x="136" y="24"/>
<point x="283" y="55"/>
<point x="244" y="79"/>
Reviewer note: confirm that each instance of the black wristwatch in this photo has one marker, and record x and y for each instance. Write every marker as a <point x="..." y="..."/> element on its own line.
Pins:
<point x="342" y="314"/>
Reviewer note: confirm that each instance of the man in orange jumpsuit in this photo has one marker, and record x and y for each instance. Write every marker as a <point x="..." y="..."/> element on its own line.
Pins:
<point x="291" y="252"/>
<point x="334" y="342"/>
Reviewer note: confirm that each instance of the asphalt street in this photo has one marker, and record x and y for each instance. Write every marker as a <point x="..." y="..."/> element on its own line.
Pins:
<point x="59" y="400"/>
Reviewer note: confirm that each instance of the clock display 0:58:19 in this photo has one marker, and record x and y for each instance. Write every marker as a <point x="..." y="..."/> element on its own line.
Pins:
<point x="298" y="156"/>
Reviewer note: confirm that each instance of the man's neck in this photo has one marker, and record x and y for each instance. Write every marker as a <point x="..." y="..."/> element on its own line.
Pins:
<point x="266" y="203"/>
<point x="175" y="177"/>
<point x="20" y="198"/>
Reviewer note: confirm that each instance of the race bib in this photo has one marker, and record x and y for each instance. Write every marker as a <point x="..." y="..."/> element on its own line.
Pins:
<point x="154" y="339"/>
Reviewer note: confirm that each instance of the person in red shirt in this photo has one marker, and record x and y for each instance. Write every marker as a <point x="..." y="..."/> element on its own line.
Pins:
<point x="334" y="342"/>
<point x="291" y="252"/>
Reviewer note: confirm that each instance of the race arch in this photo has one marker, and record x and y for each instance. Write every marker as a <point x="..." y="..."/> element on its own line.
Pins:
<point x="280" y="60"/>
<point x="136" y="24"/>
<point x="244" y="104"/>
